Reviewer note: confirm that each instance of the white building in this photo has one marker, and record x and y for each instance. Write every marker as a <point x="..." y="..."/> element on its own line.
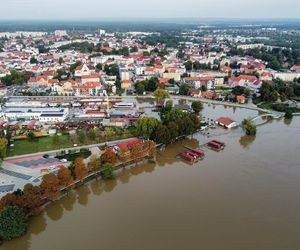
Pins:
<point x="41" y="114"/>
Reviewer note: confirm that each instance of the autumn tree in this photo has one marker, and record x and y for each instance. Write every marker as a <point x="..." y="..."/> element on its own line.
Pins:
<point x="50" y="186"/>
<point x="109" y="156"/>
<point x="150" y="147"/>
<point x="137" y="152"/>
<point x="80" y="169"/>
<point x="65" y="177"/>
<point x="124" y="154"/>
<point x="32" y="199"/>
<point x="94" y="164"/>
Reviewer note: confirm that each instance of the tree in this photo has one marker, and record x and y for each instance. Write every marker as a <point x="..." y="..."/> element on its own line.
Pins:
<point x="197" y="106"/>
<point x="15" y="77"/>
<point x="31" y="199"/>
<point x="13" y="223"/>
<point x="61" y="61"/>
<point x="94" y="164"/>
<point x="31" y="135"/>
<point x="160" y="95"/>
<point x="169" y="105"/>
<point x="184" y="89"/>
<point x="50" y="186"/>
<point x="112" y="69"/>
<point x="136" y="152"/>
<point x="150" y="147"/>
<point x="107" y="171"/>
<point x="162" y="134"/>
<point x="109" y="156"/>
<point x="108" y="132"/>
<point x="146" y="126"/>
<point x="283" y="97"/>
<point x="173" y="130"/>
<point x="139" y="88"/>
<point x="33" y="60"/>
<point x="288" y="114"/>
<point x="274" y="96"/>
<point x="99" y="66"/>
<point x="65" y="177"/>
<point x="188" y="65"/>
<point x="3" y="147"/>
<point x="238" y="90"/>
<point x="80" y="171"/>
<point x="249" y="127"/>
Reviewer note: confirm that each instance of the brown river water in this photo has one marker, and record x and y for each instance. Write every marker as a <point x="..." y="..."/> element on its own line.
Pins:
<point x="245" y="197"/>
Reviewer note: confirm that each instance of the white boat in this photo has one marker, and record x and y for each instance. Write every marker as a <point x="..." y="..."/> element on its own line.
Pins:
<point x="124" y="105"/>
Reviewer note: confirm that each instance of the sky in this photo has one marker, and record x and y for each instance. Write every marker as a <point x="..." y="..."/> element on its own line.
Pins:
<point x="101" y="9"/>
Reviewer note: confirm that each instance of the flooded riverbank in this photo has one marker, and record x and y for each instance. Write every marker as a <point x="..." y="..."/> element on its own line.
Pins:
<point x="245" y="197"/>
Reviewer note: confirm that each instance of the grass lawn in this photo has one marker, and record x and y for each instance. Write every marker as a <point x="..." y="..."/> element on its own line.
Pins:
<point x="71" y="157"/>
<point x="43" y="144"/>
<point x="25" y="146"/>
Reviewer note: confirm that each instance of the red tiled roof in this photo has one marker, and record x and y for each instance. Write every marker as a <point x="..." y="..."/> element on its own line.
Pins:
<point x="225" y="120"/>
<point x="129" y="144"/>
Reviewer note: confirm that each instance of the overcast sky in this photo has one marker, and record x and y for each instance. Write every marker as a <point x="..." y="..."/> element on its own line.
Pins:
<point x="97" y="9"/>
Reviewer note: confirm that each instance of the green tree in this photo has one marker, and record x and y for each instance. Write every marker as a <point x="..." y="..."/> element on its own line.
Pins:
<point x="13" y="223"/>
<point x="139" y="88"/>
<point x="288" y="114"/>
<point x="61" y="61"/>
<point x="33" y="60"/>
<point x="107" y="171"/>
<point x="146" y="127"/>
<point x="160" y="95"/>
<point x="184" y="89"/>
<point x="197" y="106"/>
<point x="188" y="65"/>
<point x="249" y="127"/>
<point x="162" y="134"/>
<point x="99" y="66"/>
<point x="274" y="96"/>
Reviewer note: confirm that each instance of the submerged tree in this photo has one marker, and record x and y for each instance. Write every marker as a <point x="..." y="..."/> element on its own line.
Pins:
<point x="249" y="127"/>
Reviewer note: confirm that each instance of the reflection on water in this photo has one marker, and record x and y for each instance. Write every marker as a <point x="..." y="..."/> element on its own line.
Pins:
<point x="287" y="121"/>
<point x="246" y="141"/>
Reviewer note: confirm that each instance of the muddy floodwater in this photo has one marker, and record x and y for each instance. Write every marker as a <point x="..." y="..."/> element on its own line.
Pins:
<point x="245" y="197"/>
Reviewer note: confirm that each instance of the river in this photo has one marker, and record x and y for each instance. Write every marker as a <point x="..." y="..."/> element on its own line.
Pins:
<point x="245" y="197"/>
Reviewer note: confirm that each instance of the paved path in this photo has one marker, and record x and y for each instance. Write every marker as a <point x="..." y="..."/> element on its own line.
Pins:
<point x="73" y="148"/>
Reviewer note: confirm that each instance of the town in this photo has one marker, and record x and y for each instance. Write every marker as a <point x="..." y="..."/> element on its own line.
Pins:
<point x="77" y="104"/>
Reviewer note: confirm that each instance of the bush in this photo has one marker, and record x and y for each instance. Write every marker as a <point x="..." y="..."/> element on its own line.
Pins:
<point x="13" y="223"/>
<point x="288" y="114"/>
